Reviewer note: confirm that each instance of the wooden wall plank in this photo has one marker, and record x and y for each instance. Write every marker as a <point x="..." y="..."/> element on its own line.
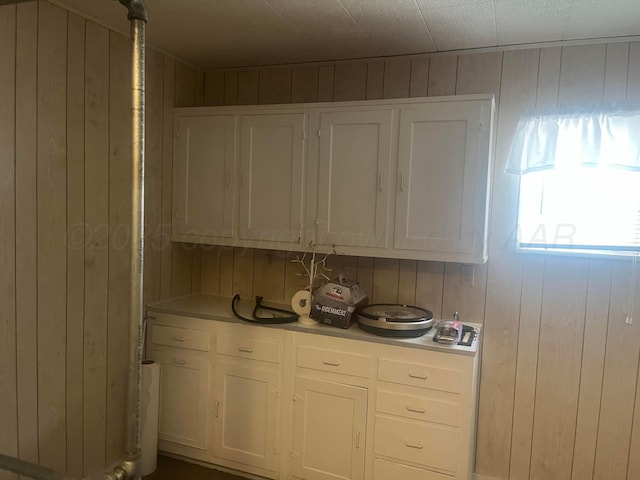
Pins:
<point x="429" y="286"/>
<point x="385" y="280"/>
<point x="120" y="183"/>
<point x="52" y="239"/>
<point x="620" y="374"/>
<point x="397" y="78"/>
<point x="214" y="88"/>
<point x="166" y="263"/>
<point x="96" y="145"/>
<point x="199" y="96"/>
<point x="560" y="357"/>
<point x="325" y="83"/>
<point x="350" y="81"/>
<point x="231" y="88"/>
<point x="616" y="71"/>
<point x="75" y="243"/>
<point x="365" y="275"/>
<point x="154" y="124"/>
<point x="196" y="270"/>
<point x="275" y="85"/>
<point x="185" y="94"/>
<point x="504" y="275"/>
<point x="210" y="270"/>
<point x="526" y="368"/>
<point x="26" y="226"/>
<point x="226" y="271"/>
<point x="248" y="87"/>
<point x="419" y="77"/>
<point x="304" y="84"/>
<point x="375" y="79"/>
<point x="344" y="265"/>
<point x="633" y="470"/>
<point x="8" y="406"/>
<point x="443" y="71"/>
<point x="407" y="282"/>
<point x="592" y="370"/>
<point x="269" y="275"/>
<point x="294" y="278"/>
<point x="479" y="73"/>
<point x="633" y="76"/>
<point x="582" y="74"/>
<point x="243" y="272"/>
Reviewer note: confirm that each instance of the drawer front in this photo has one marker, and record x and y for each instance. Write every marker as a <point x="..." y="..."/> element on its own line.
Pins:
<point x="181" y="338"/>
<point x="424" y="376"/>
<point x="385" y="470"/>
<point x="418" y="408"/>
<point x="424" y="444"/>
<point x="334" y="361"/>
<point x="251" y="348"/>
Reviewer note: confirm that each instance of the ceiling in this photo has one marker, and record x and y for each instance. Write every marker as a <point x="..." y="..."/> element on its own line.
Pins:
<point x="235" y="33"/>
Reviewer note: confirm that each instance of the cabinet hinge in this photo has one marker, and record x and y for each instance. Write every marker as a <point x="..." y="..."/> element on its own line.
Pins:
<point x="319" y="132"/>
<point x="296" y="397"/>
<point x="294" y="455"/>
<point x="277" y="393"/>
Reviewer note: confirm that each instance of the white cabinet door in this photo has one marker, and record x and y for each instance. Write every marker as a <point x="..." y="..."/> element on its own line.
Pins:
<point x="329" y="430"/>
<point x="204" y="177"/>
<point x="443" y="179"/>
<point x="353" y="177"/>
<point x="272" y="149"/>
<point x="246" y="415"/>
<point x="184" y="390"/>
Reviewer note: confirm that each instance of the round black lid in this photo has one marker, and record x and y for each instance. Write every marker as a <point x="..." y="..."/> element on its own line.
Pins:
<point x="395" y="313"/>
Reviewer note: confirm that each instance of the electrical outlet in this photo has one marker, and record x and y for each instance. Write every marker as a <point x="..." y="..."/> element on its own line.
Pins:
<point x="466" y="275"/>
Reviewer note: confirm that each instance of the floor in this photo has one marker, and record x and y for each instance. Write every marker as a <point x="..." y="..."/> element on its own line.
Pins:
<point x="172" y="469"/>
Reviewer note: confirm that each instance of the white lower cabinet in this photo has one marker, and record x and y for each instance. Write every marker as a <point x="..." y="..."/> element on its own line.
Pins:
<point x="246" y="414"/>
<point x="329" y="430"/>
<point x="291" y="405"/>
<point x="184" y="390"/>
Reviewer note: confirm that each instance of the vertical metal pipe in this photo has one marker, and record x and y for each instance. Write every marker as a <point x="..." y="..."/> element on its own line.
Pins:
<point x="136" y="306"/>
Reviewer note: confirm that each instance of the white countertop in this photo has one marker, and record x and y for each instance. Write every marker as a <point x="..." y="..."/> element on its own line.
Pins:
<point x="208" y="307"/>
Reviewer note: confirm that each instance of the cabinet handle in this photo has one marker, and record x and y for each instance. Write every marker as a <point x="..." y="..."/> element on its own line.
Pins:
<point x="380" y="181"/>
<point x="227" y="178"/>
<point x="358" y="440"/>
<point x="421" y="376"/>
<point x="178" y="361"/>
<point x="402" y="182"/>
<point x="244" y="180"/>
<point x="333" y="363"/>
<point x="217" y="408"/>
<point x="178" y="339"/>
<point x="245" y="349"/>
<point x="415" y="410"/>
<point x="414" y="445"/>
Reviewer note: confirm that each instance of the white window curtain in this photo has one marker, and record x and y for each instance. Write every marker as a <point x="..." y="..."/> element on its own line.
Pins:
<point x="594" y="136"/>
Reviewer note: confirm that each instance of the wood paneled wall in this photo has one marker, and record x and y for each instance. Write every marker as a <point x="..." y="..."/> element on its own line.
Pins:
<point x="65" y="209"/>
<point x="559" y="395"/>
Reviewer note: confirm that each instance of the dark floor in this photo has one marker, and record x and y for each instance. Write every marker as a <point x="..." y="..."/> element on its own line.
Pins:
<point x="172" y="469"/>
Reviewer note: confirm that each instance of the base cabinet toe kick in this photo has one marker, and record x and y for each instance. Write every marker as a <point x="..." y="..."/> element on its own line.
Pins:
<point x="268" y="402"/>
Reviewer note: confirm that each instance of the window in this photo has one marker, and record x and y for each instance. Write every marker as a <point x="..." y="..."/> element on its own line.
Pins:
<point x="579" y="181"/>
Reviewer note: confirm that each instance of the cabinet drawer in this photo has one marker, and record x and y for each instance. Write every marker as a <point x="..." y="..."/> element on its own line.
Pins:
<point x="424" y="444"/>
<point x="384" y="470"/>
<point x="181" y="338"/>
<point x="248" y="348"/>
<point x="424" y="376"/>
<point x="334" y="361"/>
<point x="418" y="408"/>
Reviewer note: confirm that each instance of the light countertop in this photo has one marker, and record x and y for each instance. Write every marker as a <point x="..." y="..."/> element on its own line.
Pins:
<point x="208" y="307"/>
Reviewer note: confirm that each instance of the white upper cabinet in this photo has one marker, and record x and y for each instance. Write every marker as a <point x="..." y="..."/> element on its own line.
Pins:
<point x="204" y="170"/>
<point x="402" y="178"/>
<point x="442" y="186"/>
<point x="353" y="177"/>
<point x="272" y="151"/>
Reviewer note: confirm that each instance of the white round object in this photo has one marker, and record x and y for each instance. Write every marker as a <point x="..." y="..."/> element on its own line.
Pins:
<point x="301" y="304"/>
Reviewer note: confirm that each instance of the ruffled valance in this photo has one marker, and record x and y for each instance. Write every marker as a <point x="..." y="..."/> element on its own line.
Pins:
<point x="570" y="137"/>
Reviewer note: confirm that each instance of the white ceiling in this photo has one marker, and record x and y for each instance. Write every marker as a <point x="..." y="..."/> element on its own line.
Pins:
<point x="234" y="33"/>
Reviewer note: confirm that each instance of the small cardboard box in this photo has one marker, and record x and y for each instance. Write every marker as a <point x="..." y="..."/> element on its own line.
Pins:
<point x="335" y="302"/>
